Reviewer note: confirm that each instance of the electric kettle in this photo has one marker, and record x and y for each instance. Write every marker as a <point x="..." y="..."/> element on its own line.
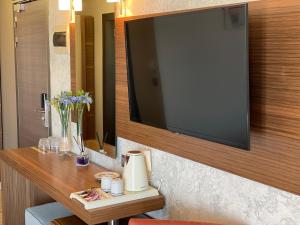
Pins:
<point x="135" y="172"/>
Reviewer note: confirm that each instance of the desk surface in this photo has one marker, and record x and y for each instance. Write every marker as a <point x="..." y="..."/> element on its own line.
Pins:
<point x="58" y="177"/>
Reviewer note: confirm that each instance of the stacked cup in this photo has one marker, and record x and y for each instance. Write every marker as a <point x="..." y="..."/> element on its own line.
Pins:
<point x="114" y="186"/>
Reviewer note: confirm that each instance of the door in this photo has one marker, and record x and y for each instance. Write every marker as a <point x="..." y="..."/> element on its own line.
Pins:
<point x="32" y="70"/>
<point x="109" y="114"/>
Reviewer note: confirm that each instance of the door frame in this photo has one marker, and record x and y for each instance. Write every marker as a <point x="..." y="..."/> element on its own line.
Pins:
<point x="14" y="4"/>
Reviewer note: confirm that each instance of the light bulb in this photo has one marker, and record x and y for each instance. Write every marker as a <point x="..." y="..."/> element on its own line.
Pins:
<point x="77" y="4"/>
<point x="64" y="4"/>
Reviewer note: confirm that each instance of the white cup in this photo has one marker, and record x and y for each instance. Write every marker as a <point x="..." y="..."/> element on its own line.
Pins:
<point x="106" y="183"/>
<point x="117" y="187"/>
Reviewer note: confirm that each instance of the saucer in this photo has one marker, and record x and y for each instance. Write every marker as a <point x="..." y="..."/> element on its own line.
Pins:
<point x="116" y="195"/>
<point x="114" y="175"/>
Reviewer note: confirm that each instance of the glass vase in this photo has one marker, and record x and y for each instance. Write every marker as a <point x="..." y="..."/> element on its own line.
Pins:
<point x="65" y="145"/>
<point x="83" y="158"/>
<point x="80" y="111"/>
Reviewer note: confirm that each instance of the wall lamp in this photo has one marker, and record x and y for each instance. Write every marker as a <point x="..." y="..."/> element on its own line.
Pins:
<point x="76" y="5"/>
<point x="65" y="5"/>
<point x="70" y="5"/>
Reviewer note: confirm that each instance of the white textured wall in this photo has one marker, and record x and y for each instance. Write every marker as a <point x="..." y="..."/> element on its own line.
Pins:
<point x="194" y="191"/>
<point x="140" y="7"/>
<point x="60" y="79"/>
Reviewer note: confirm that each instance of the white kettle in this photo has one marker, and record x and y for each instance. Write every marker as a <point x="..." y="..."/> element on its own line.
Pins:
<point x="135" y="172"/>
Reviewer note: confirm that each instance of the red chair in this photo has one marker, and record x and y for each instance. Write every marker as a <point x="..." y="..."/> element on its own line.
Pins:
<point x="165" y="222"/>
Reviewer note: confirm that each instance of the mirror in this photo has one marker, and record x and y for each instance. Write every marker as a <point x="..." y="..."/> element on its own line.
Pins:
<point x="92" y="53"/>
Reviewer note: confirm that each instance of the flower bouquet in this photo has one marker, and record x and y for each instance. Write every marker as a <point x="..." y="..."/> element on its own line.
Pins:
<point x="81" y="101"/>
<point x="64" y="105"/>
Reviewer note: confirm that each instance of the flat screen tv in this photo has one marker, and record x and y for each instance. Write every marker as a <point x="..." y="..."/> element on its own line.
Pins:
<point x="189" y="73"/>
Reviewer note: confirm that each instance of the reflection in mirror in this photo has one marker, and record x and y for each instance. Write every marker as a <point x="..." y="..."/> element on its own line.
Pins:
<point x="92" y="54"/>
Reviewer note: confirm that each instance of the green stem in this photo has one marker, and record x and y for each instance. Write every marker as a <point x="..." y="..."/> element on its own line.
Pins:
<point x="80" y="111"/>
<point x="64" y="119"/>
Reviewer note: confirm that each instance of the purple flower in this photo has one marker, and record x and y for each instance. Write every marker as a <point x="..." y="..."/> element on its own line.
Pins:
<point x="74" y="99"/>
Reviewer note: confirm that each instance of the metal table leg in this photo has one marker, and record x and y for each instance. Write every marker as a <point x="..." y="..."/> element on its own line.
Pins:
<point x="113" y="222"/>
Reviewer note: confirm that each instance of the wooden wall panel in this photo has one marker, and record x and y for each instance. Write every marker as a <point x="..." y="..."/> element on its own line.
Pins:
<point x="16" y="200"/>
<point x="274" y="158"/>
<point x="72" y="28"/>
<point x="88" y="74"/>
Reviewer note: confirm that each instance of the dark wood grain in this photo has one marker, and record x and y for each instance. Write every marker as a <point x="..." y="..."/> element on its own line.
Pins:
<point x="88" y="73"/>
<point x="16" y="200"/>
<point x="70" y="220"/>
<point x="58" y="177"/>
<point x="73" y="220"/>
<point x="32" y="70"/>
<point x="72" y="31"/>
<point x="274" y="158"/>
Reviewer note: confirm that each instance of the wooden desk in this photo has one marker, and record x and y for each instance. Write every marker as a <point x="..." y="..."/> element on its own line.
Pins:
<point x="31" y="178"/>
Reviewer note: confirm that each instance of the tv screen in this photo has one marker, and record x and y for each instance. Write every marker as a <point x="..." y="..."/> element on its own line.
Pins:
<point x="188" y="73"/>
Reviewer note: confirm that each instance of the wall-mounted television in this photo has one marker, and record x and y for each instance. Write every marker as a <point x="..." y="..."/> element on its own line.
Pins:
<point x="189" y="73"/>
